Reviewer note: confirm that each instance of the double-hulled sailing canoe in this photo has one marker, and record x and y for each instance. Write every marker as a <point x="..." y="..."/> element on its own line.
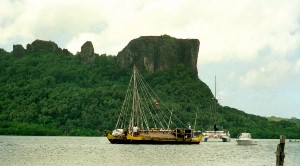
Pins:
<point x="144" y="119"/>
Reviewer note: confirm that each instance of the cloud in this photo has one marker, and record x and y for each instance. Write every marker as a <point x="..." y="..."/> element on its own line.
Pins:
<point x="226" y="31"/>
<point x="63" y="21"/>
<point x="268" y="75"/>
<point x="11" y="27"/>
<point x="297" y="67"/>
<point x="240" y="32"/>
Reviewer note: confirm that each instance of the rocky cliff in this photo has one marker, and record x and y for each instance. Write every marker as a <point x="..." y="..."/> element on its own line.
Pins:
<point x="39" y="46"/>
<point x="157" y="53"/>
<point x="87" y="53"/>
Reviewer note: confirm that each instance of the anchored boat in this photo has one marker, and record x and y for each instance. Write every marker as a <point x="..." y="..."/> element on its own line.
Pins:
<point x="219" y="135"/>
<point x="245" y="139"/>
<point x="144" y="119"/>
<point x="215" y="134"/>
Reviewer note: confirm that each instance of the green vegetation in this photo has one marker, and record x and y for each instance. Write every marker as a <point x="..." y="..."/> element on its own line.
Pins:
<point x="52" y="93"/>
<point x="277" y="119"/>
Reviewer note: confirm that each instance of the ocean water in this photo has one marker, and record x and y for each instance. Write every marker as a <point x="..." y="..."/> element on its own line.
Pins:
<point x="89" y="151"/>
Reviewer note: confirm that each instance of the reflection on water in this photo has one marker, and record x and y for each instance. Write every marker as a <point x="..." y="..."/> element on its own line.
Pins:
<point x="26" y="150"/>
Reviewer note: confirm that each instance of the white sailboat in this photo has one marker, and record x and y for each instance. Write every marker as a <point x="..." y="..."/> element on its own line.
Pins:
<point x="216" y="134"/>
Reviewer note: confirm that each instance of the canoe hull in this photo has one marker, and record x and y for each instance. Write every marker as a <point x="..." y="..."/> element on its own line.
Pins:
<point x="152" y="140"/>
<point x="125" y="141"/>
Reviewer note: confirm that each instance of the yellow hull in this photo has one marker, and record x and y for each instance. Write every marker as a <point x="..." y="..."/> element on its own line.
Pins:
<point x="145" y="139"/>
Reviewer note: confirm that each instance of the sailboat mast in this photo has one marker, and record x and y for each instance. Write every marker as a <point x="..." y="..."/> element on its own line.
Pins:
<point x="215" y="99"/>
<point x="215" y="87"/>
<point x="195" y="120"/>
<point x="170" y="120"/>
<point x="134" y="95"/>
<point x="135" y="100"/>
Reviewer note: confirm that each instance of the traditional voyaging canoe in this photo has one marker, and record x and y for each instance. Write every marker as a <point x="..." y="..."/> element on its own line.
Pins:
<point x="146" y="120"/>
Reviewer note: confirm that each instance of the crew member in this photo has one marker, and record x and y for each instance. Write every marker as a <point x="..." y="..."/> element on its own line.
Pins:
<point x="135" y="131"/>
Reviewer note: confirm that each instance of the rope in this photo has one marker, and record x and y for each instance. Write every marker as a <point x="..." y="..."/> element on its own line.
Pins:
<point x="139" y="107"/>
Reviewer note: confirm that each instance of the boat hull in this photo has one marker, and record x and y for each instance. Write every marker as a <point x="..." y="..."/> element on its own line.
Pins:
<point x="226" y="139"/>
<point x="223" y="139"/>
<point x="152" y="140"/>
<point x="246" y="142"/>
<point x="125" y="141"/>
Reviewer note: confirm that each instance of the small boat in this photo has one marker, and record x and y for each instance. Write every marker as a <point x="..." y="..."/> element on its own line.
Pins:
<point x="245" y="139"/>
<point x="145" y="119"/>
<point x="295" y="140"/>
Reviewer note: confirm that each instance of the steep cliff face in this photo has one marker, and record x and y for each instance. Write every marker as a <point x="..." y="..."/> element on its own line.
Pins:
<point x="157" y="53"/>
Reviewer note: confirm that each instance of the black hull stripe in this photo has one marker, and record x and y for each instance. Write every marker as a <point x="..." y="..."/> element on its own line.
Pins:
<point x="120" y="141"/>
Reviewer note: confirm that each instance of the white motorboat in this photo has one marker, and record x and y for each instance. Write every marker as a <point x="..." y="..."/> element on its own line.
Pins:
<point x="245" y="139"/>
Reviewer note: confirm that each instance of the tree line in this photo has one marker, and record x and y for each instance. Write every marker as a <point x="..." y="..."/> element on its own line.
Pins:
<point x="57" y="94"/>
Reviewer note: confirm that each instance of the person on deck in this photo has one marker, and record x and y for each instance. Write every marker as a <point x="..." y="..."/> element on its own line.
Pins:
<point x="215" y="128"/>
<point x="135" y="131"/>
<point x="126" y="132"/>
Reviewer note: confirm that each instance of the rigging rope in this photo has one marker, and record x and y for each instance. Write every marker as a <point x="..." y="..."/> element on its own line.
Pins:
<point x="139" y="108"/>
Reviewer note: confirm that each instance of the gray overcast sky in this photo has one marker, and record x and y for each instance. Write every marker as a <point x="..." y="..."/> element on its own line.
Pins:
<point x="253" y="47"/>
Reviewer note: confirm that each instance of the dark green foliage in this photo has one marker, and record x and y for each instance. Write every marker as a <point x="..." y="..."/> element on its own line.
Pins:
<point x="53" y="93"/>
<point x="295" y="120"/>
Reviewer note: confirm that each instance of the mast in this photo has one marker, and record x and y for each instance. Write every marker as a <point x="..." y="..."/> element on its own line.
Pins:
<point x="170" y="120"/>
<point x="195" y="120"/>
<point x="215" y="100"/>
<point x="215" y="87"/>
<point x="135" y="100"/>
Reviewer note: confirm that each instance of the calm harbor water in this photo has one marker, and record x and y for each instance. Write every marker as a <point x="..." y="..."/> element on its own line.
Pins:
<point x="43" y="151"/>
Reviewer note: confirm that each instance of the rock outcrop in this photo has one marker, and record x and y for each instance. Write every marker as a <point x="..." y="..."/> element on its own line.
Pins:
<point x="38" y="46"/>
<point x="157" y="53"/>
<point x="87" y="53"/>
<point x="18" y="50"/>
<point x="43" y="46"/>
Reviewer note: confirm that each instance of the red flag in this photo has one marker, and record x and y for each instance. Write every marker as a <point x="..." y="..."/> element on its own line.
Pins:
<point x="155" y="102"/>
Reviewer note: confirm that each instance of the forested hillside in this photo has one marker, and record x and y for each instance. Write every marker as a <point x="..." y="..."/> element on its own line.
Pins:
<point x="54" y="93"/>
